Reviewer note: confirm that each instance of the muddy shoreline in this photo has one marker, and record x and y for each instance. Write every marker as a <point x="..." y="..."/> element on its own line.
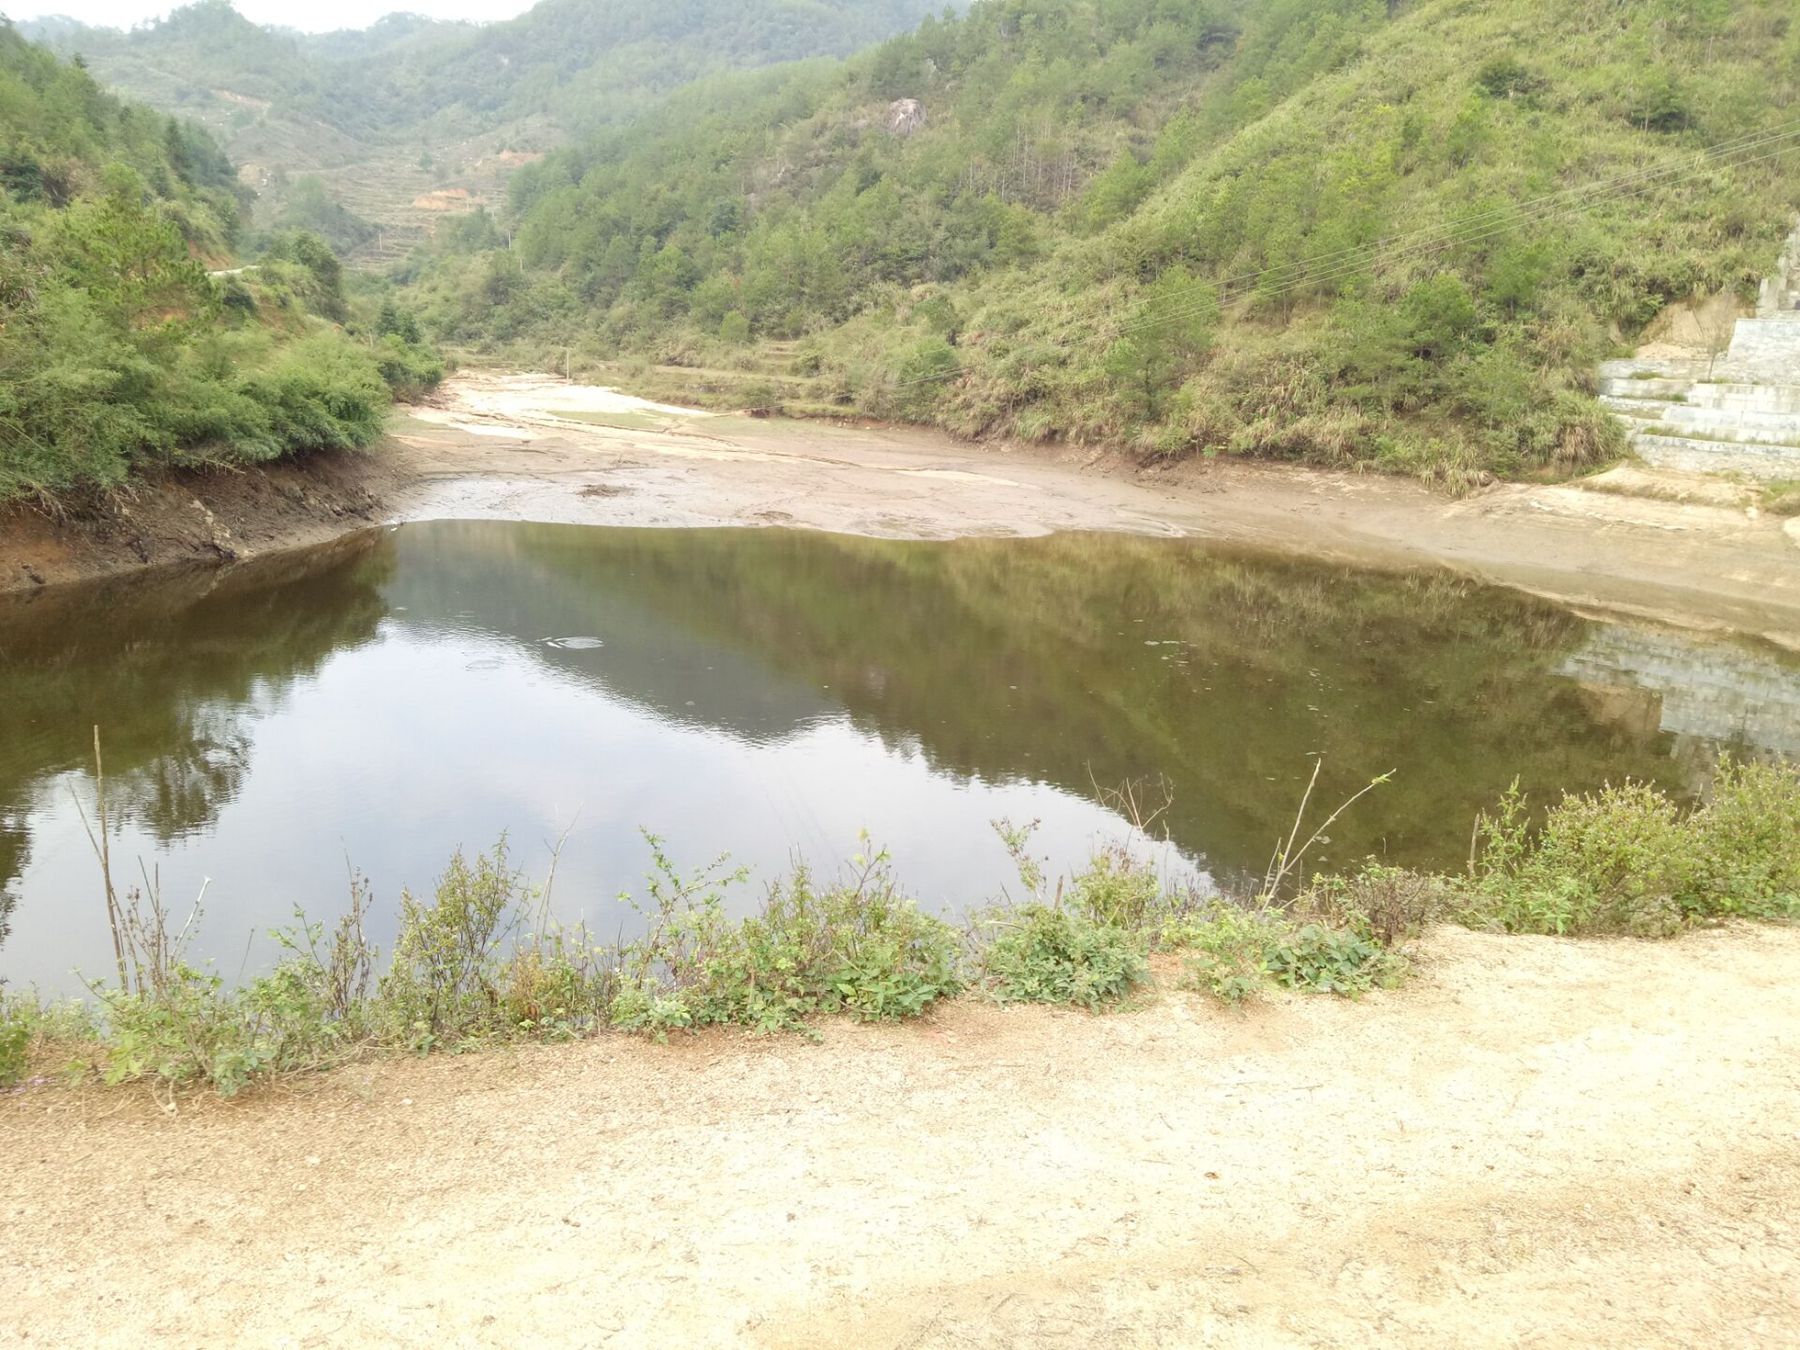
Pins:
<point x="1691" y="552"/>
<point x="199" y="517"/>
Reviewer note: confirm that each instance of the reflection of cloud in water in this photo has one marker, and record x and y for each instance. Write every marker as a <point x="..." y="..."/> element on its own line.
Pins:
<point x="177" y="667"/>
<point x="466" y="580"/>
<point x="750" y="692"/>
<point x="1714" y="693"/>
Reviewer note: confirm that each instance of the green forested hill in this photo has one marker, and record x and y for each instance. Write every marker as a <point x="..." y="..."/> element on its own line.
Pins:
<point x="60" y="136"/>
<point x="586" y="61"/>
<point x="118" y="349"/>
<point x="376" y="119"/>
<point x="1296" y="228"/>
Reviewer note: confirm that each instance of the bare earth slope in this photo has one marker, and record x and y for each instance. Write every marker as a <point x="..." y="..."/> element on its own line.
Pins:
<point x="1535" y="1143"/>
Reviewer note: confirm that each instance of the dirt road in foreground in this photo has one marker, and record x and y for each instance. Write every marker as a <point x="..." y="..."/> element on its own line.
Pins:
<point x="1534" y="1143"/>
<point x="525" y="447"/>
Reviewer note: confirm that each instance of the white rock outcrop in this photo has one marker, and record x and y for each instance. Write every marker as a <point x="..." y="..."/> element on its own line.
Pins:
<point x="905" y="116"/>
<point x="1738" y="412"/>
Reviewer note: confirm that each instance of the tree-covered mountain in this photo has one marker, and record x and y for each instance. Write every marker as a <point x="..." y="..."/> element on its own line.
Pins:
<point x="1397" y="232"/>
<point x="118" y="348"/>
<point x="585" y="61"/>
<point x="388" y="116"/>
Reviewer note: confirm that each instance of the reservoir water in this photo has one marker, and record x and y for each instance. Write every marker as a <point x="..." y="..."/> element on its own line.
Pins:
<point x="380" y="702"/>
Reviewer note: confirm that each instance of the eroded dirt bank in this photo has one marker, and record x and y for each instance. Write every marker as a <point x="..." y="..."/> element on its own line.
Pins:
<point x="531" y="447"/>
<point x="211" y="517"/>
<point x="1535" y="1143"/>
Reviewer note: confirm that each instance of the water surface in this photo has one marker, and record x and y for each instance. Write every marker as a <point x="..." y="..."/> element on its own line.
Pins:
<point x="382" y="701"/>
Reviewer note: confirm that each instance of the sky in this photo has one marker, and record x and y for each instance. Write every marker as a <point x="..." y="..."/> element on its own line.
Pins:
<point x="315" y="16"/>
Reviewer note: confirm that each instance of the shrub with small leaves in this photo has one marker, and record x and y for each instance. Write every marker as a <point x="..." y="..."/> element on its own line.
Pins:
<point x="858" y="946"/>
<point x="1612" y="861"/>
<point x="1384" y="905"/>
<point x="1046" y="954"/>
<point x="1746" y="844"/>
<point x="442" y="984"/>
<point x="1117" y="889"/>
<point x="15" y="1043"/>
<point x="1227" y="946"/>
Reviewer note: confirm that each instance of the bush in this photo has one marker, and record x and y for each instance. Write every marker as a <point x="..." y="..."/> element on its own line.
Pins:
<point x="1326" y="960"/>
<point x="15" y="1042"/>
<point x="1118" y="890"/>
<point x="321" y="394"/>
<point x="1237" y="952"/>
<point x="409" y="369"/>
<point x="190" y="1029"/>
<point x="734" y="329"/>
<point x="1384" y="905"/>
<point x="444" y="980"/>
<point x="1605" y="862"/>
<point x="1746" y="844"/>
<point x="858" y="947"/>
<point x="1229" y="949"/>
<point x="1627" y="860"/>
<point x="1046" y="954"/>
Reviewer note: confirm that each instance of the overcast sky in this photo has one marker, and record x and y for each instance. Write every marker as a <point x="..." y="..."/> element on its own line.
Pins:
<point x="316" y="16"/>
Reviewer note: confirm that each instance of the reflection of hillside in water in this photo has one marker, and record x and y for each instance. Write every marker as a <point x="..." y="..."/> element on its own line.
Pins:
<point x="1704" y="694"/>
<point x="173" y="667"/>
<point x="1075" y="661"/>
<point x="552" y="588"/>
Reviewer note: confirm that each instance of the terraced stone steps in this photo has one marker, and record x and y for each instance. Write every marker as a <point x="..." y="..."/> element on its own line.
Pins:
<point x="1736" y="412"/>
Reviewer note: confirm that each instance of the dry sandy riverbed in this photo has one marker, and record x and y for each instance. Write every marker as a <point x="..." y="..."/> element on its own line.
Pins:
<point x="1677" y="548"/>
<point x="531" y="447"/>
<point x="1536" y="1142"/>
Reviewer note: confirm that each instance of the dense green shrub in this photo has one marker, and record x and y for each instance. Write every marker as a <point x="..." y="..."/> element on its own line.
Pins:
<point x="1119" y="890"/>
<point x="321" y="393"/>
<point x="1046" y="954"/>
<point x="1612" y="861"/>
<point x="1235" y="952"/>
<point x="857" y="947"/>
<point x="1746" y="844"/>
<point x="1629" y="860"/>
<point x="444" y="982"/>
<point x="119" y="351"/>
<point x="1325" y="960"/>
<point x="15" y="1041"/>
<point x="1227" y="948"/>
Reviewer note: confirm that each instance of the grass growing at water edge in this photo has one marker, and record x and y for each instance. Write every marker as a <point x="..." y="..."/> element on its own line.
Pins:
<point x="481" y="961"/>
